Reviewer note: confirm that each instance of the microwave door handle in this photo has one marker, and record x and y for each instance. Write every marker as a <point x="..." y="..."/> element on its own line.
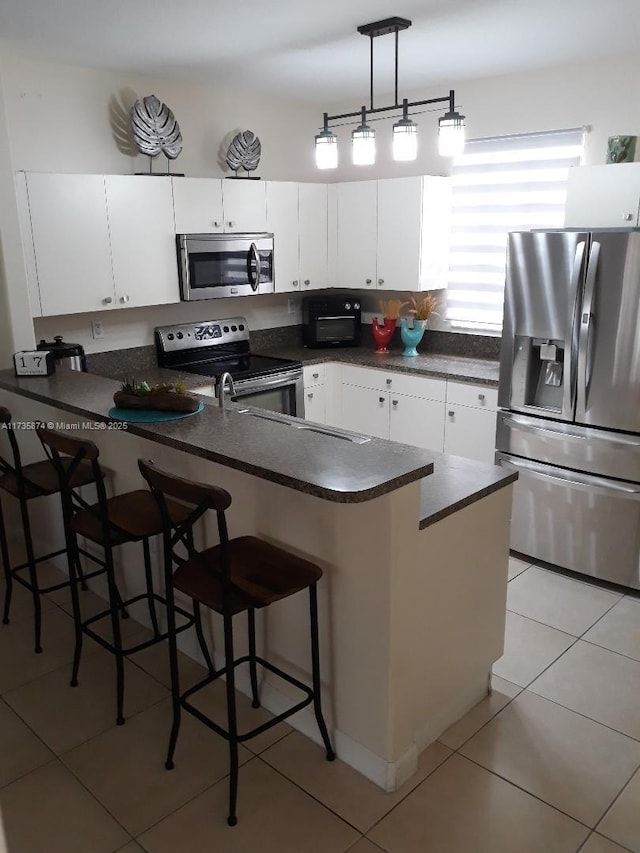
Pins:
<point x="586" y="320"/>
<point x="254" y="256"/>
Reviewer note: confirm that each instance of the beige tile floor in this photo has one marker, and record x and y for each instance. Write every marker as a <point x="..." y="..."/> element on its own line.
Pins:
<point x="549" y="762"/>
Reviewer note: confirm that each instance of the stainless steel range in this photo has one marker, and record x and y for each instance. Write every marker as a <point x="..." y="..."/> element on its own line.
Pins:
<point x="212" y="348"/>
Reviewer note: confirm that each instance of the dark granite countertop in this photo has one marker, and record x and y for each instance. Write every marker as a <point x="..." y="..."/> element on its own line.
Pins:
<point x="482" y="371"/>
<point x="457" y="482"/>
<point x="310" y="462"/>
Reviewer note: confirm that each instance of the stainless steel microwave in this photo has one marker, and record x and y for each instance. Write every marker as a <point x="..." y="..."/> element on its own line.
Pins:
<point x="213" y="265"/>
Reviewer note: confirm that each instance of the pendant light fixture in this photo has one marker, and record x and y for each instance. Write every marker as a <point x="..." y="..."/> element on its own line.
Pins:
<point x="405" y="130"/>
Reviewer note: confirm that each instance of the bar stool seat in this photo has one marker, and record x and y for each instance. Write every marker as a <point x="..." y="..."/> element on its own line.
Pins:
<point x="259" y="574"/>
<point x="237" y="575"/>
<point x="25" y="483"/>
<point x="130" y="517"/>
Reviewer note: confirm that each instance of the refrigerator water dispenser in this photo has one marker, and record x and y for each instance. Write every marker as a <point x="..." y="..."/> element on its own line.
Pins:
<point x="538" y="373"/>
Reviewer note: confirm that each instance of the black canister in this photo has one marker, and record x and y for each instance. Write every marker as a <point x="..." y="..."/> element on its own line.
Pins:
<point x="67" y="356"/>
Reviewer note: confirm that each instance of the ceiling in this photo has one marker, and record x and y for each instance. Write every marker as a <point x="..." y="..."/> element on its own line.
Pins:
<point x="311" y="50"/>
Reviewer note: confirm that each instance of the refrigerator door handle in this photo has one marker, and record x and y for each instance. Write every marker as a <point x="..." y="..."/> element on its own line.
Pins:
<point x="585" y="326"/>
<point x="572" y="479"/>
<point x="574" y="285"/>
<point x="525" y="424"/>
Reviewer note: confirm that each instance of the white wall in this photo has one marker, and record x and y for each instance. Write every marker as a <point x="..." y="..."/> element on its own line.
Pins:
<point x="62" y="118"/>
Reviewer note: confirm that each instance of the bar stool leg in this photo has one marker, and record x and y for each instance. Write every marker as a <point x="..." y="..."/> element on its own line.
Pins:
<point x="315" y="668"/>
<point x="251" y="620"/>
<point x="74" y="562"/>
<point x="204" y="648"/>
<point x="149" y="579"/>
<point x="114" y="604"/>
<point x="33" y="576"/>
<point x="232" y="820"/>
<point x="8" y="578"/>
<point x="175" y="680"/>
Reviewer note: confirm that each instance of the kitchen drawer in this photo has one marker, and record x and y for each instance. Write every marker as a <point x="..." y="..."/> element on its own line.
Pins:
<point x="390" y="380"/>
<point x="466" y="394"/>
<point x="313" y="374"/>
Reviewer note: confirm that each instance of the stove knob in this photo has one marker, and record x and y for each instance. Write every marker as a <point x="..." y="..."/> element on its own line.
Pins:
<point x="225" y="328"/>
<point x="170" y="336"/>
<point x="241" y="327"/>
<point x="356" y="305"/>
<point x="234" y="328"/>
<point x="347" y="306"/>
<point x="179" y="336"/>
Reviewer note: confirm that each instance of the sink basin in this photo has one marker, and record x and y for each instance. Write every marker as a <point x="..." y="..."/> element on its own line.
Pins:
<point x="296" y="423"/>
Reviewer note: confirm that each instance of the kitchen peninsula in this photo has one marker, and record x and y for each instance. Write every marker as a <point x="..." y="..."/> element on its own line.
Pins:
<point x="413" y="545"/>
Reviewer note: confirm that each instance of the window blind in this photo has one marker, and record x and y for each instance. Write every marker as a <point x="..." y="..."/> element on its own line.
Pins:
<point x="502" y="184"/>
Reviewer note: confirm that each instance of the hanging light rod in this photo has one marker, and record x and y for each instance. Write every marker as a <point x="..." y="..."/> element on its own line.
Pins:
<point x="405" y="131"/>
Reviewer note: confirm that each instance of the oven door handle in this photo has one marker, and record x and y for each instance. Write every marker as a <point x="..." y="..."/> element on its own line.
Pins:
<point x="338" y="317"/>
<point x="254" y="255"/>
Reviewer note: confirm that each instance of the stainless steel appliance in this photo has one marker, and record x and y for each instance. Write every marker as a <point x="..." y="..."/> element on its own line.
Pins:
<point x="212" y="348"/>
<point x="333" y="321"/>
<point x="570" y="399"/>
<point x="67" y="356"/>
<point x="212" y="265"/>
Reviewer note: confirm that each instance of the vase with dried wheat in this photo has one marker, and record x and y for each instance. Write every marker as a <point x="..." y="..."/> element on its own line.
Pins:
<point x="420" y="312"/>
<point x="382" y="333"/>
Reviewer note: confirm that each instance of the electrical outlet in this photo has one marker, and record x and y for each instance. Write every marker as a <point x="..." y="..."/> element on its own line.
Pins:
<point x="96" y="329"/>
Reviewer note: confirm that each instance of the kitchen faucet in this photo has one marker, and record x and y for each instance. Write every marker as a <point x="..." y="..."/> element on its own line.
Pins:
<point x="222" y="382"/>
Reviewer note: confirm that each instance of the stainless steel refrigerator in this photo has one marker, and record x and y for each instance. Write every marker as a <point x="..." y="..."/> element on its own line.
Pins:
<point x="570" y="399"/>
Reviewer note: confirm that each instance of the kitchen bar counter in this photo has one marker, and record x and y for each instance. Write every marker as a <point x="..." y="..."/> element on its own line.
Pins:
<point x="412" y="601"/>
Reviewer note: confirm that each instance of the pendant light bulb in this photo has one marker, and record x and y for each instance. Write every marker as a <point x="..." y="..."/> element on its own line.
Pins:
<point x="364" y="143"/>
<point x="405" y="137"/>
<point x="451" y="134"/>
<point x="326" y="147"/>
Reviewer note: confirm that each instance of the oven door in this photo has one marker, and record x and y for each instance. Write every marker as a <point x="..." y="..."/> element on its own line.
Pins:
<point x="280" y="392"/>
<point x="213" y="265"/>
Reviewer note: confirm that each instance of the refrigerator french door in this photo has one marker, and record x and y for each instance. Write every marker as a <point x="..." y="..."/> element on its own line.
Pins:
<point x="570" y="399"/>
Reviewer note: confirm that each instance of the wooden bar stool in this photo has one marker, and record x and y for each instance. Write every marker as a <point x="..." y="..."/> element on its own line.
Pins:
<point x="130" y="517"/>
<point x="242" y="574"/>
<point x="25" y="483"/>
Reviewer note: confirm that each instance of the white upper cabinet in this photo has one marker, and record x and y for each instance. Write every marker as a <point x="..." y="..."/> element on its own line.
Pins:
<point x="282" y="221"/>
<point x="399" y="229"/>
<point x="603" y="196"/>
<point x="357" y="234"/>
<point x="143" y="243"/>
<point x="197" y="205"/>
<point x="98" y="242"/>
<point x="70" y="242"/>
<point x="245" y="205"/>
<point x="313" y="236"/>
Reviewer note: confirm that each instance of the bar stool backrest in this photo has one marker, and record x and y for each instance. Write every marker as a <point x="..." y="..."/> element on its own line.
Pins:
<point x="203" y="498"/>
<point x="15" y="469"/>
<point x="59" y="447"/>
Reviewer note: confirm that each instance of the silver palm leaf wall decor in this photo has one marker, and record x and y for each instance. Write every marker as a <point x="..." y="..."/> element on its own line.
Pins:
<point x="155" y="129"/>
<point x="244" y="152"/>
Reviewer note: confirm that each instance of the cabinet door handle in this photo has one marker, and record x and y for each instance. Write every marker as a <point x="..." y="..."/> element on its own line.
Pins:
<point x="380" y="281"/>
<point x="307" y="282"/>
<point x="216" y="223"/>
<point x="394" y="402"/>
<point x="316" y="375"/>
<point x="231" y="223"/>
<point x="124" y="299"/>
<point x="389" y="381"/>
<point x="628" y="217"/>
<point x="107" y="300"/>
<point x="451" y="413"/>
<point x="481" y="397"/>
<point x="295" y="283"/>
<point x="367" y="281"/>
<point x="381" y="399"/>
<point x="310" y="396"/>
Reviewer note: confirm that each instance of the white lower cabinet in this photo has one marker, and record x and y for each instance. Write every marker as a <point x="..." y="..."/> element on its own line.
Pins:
<point x="470" y="423"/>
<point x="409" y="409"/>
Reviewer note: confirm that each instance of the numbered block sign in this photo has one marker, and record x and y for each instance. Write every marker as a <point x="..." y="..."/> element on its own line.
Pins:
<point x="34" y="363"/>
